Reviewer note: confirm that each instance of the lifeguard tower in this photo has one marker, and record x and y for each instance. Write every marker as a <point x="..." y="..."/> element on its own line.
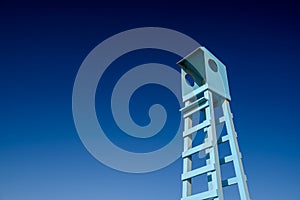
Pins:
<point x="204" y="89"/>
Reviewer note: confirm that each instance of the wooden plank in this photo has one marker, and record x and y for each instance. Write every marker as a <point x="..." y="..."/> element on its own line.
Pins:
<point x="201" y="107"/>
<point x="196" y="128"/>
<point x="196" y="149"/>
<point x="230" y="181"/>
<point x="193" y="104"/>
<point x="226" y="159"/>
<point x="195" y="92"/>
<point x="197" y="172"/>
<point x="223" y="139"/>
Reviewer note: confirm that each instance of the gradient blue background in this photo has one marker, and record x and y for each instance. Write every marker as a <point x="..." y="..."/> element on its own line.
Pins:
<point x="42" y="47"/>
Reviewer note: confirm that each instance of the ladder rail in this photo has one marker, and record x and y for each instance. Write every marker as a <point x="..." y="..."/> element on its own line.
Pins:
<point x="214" y="153"/>
<point x="238" y="165"/>
<point x="187" y="161"/>
<point x="210" y="145"/>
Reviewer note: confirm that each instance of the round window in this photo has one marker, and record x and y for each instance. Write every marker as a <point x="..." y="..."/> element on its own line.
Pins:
<point x="213" y="65"/>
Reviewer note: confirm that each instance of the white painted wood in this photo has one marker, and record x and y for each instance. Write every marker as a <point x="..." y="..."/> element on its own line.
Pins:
<point x="238" y="166"/>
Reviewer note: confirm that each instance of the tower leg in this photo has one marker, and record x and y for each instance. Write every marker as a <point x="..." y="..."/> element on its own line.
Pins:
<point x="213" y="152"/>
<point x="187" y="162"/>
<point x="238" y="166"/>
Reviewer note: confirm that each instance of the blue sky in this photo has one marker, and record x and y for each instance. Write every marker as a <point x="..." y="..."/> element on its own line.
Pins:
<point x="43" y="46"/>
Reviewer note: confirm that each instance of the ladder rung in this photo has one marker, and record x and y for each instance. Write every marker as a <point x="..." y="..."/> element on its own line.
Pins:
<point x="197" y="172"/>
<point x="203" y="195"/>
<point x="194" y="92"/>
<point x="220" y="120"/>
<point x="196" y="128"/>
<point x="223" y="139"/>
<point x="198" y="102"/>
<point x="196" y="149"/>
<point x="226" y="159"/>
<point x="200" y="107"/>
<point x="230" y="181"/>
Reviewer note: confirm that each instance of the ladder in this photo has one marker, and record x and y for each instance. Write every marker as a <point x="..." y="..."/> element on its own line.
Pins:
<point x="203" y="101"/>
